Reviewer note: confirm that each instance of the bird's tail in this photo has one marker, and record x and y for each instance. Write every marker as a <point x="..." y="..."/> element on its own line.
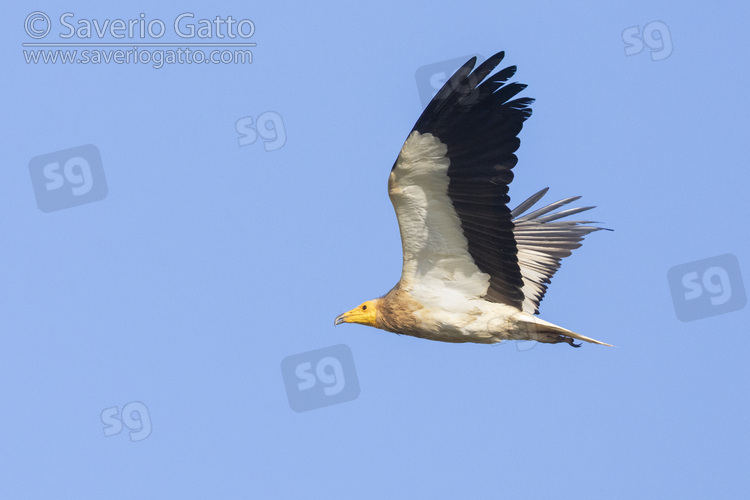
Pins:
<point x="534" y="328"/>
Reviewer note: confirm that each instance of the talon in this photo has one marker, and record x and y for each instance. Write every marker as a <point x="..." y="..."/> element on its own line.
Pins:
<point x="568" y="340"/>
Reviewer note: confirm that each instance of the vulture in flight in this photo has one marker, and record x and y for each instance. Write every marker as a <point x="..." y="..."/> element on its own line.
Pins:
<point x="473" y="270"/>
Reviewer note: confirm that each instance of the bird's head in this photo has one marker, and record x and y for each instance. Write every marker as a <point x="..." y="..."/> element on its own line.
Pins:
<point x="364" y="314"/>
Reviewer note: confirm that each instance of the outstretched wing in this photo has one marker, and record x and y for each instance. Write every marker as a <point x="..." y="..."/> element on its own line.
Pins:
<point x="543" y="240"/>
<point x="449" y="187"/>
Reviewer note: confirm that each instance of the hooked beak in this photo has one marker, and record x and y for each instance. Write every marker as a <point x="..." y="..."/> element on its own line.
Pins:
<point x="364" y="314"/>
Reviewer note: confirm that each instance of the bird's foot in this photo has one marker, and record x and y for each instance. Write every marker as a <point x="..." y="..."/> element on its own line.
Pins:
<point x="568" y="340"/>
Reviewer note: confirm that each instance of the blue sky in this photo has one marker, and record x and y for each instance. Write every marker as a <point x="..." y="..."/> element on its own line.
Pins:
<point x="153" y="326"/>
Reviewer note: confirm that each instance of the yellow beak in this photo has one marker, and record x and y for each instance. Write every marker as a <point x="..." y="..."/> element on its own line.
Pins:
<point x="364" y="314"/>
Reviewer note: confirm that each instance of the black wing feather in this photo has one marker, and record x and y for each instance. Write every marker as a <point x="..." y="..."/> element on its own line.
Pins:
<point x="479" y="124"/>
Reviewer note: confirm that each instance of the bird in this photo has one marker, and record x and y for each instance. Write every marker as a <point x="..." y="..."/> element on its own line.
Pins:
<point x="473" y="269"/>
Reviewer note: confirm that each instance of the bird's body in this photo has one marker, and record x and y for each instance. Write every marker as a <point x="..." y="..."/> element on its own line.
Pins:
<point x="473" y="270"/>
<point x="458" y="320"/>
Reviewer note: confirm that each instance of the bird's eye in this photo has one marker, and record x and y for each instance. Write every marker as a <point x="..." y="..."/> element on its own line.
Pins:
<point x="364" y="307"/>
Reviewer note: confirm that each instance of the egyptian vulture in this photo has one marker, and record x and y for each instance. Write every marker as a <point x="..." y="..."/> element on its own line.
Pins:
<point x="473" y="270"/>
